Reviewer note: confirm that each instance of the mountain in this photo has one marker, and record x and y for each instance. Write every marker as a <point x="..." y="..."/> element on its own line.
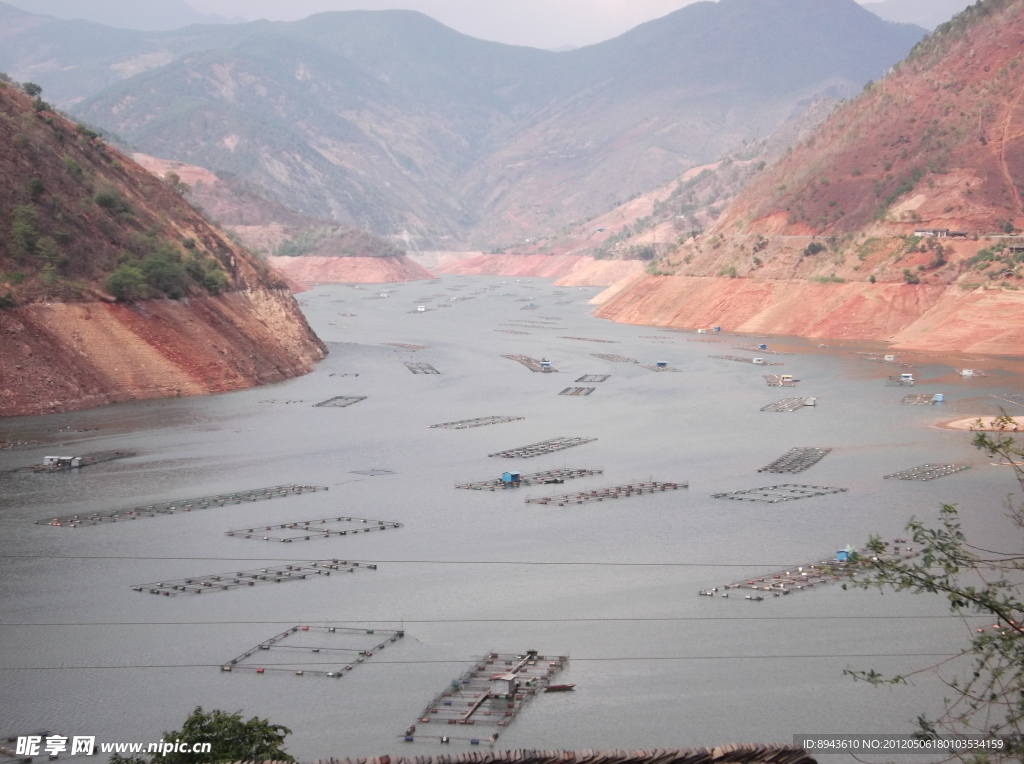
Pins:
<point x="112" y="287"/>
<point x="151" y="15"/>
<point x="895" y="220"/>
<point x="924" y="13"/>
<point x="391" y="121"/>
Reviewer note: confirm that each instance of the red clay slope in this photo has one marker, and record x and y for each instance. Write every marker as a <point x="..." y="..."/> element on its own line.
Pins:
<point x="310" y="269"/>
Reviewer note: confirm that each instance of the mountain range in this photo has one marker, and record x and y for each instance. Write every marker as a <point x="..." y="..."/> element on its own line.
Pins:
<point x="394" y="122"/>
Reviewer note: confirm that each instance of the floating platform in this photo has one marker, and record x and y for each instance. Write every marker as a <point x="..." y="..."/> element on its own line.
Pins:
<point x="756" y="349"/>
<point x="918" y="399"/>
<point x="472" y="698"/>
<point x="483" y="421"/>
<point x="813" y="574"/>
<point x="305" y="530"/>
<point x="655" y="367"/>
<point x="615" y="492"/>
<point x="1014" y="398"/>
<point x="897" y="381"/>
<point x="705" y="340"/>
<point x="530" y="363"/>
<point x="594" y="378"/>
<point x="421" y="368"/>
<point x="181" y="505"/>
<point x="510" y="331"/>
<point x="614" y="358"/>
<point x="544" y="447"/>
<point x="537" y="323"/>
<point x="348" y="646"/>
<point x="773" y="494"/>
<point x="536" y="478"/>
<point x="786" y="405"/>
<point x="531" y="306"/>
<point x="797" y="460"/>
<point x="591" y="339"/>
<point x="340" y="402"/>
<point x="777" y="380"/>
<point x="407" y="345"/>
<point x="745" y="360"/>
<point x="928" y="472"/>
<point x="275" y="575"/>
<point x="65" y="463"/>
<point x="372" y="473"/>
<point x="578" y="391"/>
<point x="7" y="445"/>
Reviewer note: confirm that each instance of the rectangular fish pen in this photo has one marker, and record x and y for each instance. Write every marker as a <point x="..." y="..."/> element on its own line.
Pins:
<point x="305" y="530"/>
<point x="780" y="380"/>
<point x="490" y="693"/>
<point x="543" y="447"/>
<point x="786" y="405"/>
<point x="928" y="472"/>
<point x="465" y="424"/>
<point x="406" y="344"/>
<point x="797" y="460"/>
<point x="614" y="358"/>
<point x="655" y="367"/>
<point x="773" y="494"/>
<point x="745" y="360"/>
<point x="181" y="505"/>
<point x="273" y="575"/>
<point x="65" y="463"/>
<point x="594" y="378"/>
<point x="340" y="402"/>
<point x="756" y="349"/>
<point x="615" y="492"/>
<point x="578" y="391"/>
<point x="421" y="368"/>
<point x="591" y="339"/>
<point x="346" y="647"/>
<point x="852" y="564"/>
<point x="548" y="477"/>
<point x="531" y="363"/>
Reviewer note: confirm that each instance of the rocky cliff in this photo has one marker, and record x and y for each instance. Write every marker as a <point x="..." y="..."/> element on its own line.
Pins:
<point x="896" y="220"/>
<point x="112" y="287"/>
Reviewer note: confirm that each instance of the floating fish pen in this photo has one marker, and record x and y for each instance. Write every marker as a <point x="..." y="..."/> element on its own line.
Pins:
<point x="549" y="477"/>
<point x="305" y="530"/>
<point x="493" y="692"/>
<point x="704" y="340"/>
<point x="524" y="299"/>
<point x="590" y="339"/>
<point x="928" y="472"/>
<point x="340" y="402"/>
<point x="797" y="460"/>
<point x="372" y="473"/>
<point x="531" y="363"/>
<point x="594" y="378"/>
<point x="531" y="306"/>
<point x="780" y="380"/>
<point x="756" y="349"/>
<point x="483" y="421"/>
<point x="535" y="323"/>
<point x="510" y="331"/>
<point x="551" y="318"/>
<point x="813" y="574"/>
<point x="898" y="381"/>
<point x="656" y="367"/>
<point x="65" y="463"/>
<point x="578" y="391"/>
<point x="615" y="492"/>
<point x="407" y="345"/>
<point x="773" y="494"/>
<point x="182" y="505"/>
<point x="298" y="571"/>
<point x="892" y="361"/>
<point x="347" y="646"/>
<point x="421" y="368"/>
<point x="786" y="405"/>
<point x="918" y="399"/>
<point x="544" y="447"/>
<point x="423" y="309"/>
<point x="1014" y="398"/>
<point x="564" y="302"/>
<point x="745" y="360"/>
<point x="347" y="315"/>
<point x="7" y="445"/>
<point x="614" y="358"/>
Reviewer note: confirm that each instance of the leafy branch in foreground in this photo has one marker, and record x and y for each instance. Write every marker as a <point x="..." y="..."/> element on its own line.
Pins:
<point x="987" y="695"/>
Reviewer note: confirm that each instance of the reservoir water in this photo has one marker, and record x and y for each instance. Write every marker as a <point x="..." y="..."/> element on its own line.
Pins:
<point x="611" y="584"/>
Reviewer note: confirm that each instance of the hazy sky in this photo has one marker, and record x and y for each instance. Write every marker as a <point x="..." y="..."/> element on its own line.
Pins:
<point x="541" y="23"/>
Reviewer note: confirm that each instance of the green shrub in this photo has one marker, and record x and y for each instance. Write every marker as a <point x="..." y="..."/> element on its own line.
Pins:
<point x="126" y="283"/>
<point x="72" y="167"/>
<point x="112" y="201"/>
<point x="7" y="301"/>
<point x="813" y="248"/>
<point x="215" y="280"/>
<point x="164" y="272"/>
<point x="23" y="230"/>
